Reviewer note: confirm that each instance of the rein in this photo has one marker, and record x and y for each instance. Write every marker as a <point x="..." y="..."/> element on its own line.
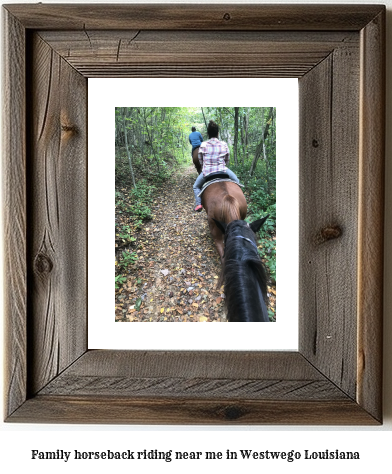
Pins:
<point x="245" y="238"/>
<point x="242" y="237"/>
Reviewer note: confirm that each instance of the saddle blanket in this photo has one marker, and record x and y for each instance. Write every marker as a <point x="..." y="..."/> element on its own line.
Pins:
<point x="216" y="181"/>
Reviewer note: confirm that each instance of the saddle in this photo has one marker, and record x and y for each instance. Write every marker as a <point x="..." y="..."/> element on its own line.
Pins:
<point x="216" y="177"/>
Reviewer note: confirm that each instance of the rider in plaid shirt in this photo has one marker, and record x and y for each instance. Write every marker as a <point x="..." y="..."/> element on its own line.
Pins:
<point x="216" y="155"/>
<point x="213" y="157"/>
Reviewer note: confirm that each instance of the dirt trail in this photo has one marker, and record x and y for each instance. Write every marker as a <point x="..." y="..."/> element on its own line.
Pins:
<point x="175" y="277"/>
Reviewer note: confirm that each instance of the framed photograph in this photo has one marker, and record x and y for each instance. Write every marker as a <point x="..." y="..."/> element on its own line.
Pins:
<point x="337" y="53"/>
<point x="188" y="256"/>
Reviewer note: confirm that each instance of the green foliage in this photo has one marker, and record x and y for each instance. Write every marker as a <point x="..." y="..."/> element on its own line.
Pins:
<point x="128" y="258"/>
<point x="268" y="253"/>
<point x="142" y="211"/>
<point x="271" y="315"/>
<point x="136" y="204"/>
<point x="125" y="234"/>
<point x="119" y="280"/>
<point x="157" y="139"/>
<point x="260" y="190"/>
<point x="163" y="174"/>
<point x="141" y="200"/>
<point x="259" y="208"/>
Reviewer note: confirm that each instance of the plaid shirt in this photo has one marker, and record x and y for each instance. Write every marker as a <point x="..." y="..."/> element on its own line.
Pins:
<point x="213" y="156"/>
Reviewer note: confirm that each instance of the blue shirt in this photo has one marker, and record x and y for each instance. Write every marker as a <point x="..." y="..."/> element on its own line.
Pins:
<point x="195" y="139"/>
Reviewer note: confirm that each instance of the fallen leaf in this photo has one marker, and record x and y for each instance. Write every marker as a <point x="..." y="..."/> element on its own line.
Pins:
<point x="138" y="304"/>
<point x="203" y="319"/>
<point x="165" y="272"/>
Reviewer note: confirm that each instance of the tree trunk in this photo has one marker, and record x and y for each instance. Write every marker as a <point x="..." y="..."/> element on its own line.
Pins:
<point x="235" y="135"/>
<point x="222" y="129"/>
<point x="205" y="121"/>
<point x="261" y="146"/>
<point x="245" y="134"/>
<point x="128" y="151"/>
<point x="150" y="138"/>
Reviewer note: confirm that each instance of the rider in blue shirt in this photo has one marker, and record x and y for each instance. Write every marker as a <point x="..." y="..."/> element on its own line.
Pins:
<point x="195" y="139"/>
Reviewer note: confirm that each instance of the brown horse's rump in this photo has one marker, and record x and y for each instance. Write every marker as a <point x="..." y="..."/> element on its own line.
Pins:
<point x="225" y="202"/>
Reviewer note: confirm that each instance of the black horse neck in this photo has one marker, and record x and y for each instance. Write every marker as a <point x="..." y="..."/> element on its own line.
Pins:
<point x="245" y="280"/>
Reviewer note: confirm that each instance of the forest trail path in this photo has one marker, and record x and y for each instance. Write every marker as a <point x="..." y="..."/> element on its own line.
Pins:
<point x="176" y="274"/>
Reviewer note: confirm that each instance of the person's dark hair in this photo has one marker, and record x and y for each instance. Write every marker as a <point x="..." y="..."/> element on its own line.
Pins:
<point x="193" y="129"/>
<point x="213" y="129"/>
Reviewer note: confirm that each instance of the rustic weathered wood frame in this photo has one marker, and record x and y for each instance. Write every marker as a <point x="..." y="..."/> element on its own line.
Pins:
<point x="337" y="52"/>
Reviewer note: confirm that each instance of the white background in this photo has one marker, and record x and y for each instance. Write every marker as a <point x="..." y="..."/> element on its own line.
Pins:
<point x="103" y="332"/>
<point x="17" y="441"/>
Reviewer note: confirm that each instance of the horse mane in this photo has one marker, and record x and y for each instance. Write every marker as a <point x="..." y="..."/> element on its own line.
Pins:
<point x="242" y="270"/>
<point x="230" y="209"/>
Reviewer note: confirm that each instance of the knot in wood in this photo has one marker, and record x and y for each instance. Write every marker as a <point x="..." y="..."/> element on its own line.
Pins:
<point x="227" y="16"/>
<point x="232" y="413"/>
<point x="68" y="128"/>
<point x="328" y="233"/>
<point x="315" y="143"/>
<point x="43" y="264"/>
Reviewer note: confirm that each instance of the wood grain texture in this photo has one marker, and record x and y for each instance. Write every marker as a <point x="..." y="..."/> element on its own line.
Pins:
<point x="14" y="209"/>
<point x="192" y="17"/>
<point x="189" y="387"/>
<point x="119" y="410"/>
<point x="328" y="216"/>
<point x="196" y="53"/>
<point x="58" y="215"/>
<point x="194" y="387"/>
<point x="203" y="374"/>
<point x="208" y="364"/>
<point x="371" y="216"/>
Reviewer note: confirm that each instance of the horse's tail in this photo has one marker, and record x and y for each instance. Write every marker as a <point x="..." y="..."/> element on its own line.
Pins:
<point x="230" y="209"/>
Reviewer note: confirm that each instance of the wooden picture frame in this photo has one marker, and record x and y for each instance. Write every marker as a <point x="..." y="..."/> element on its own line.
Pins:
<point x="338" y="54"/>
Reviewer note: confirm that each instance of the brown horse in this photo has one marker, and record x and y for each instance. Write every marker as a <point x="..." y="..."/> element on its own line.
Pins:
<point x="225" y="202"/>
<point x="196" y="160"/>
